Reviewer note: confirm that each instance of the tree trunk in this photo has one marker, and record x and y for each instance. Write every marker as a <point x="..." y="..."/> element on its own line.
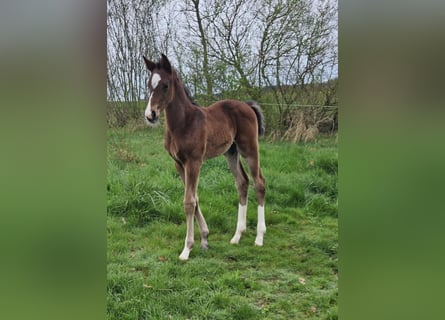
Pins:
<point x="205" y="66"/>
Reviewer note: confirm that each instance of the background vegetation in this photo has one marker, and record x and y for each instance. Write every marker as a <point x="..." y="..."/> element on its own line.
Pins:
<point x="294" y="276"/>
<point x="281" y="53"/>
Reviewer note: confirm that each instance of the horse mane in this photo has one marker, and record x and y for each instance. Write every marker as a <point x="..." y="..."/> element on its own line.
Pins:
<point x="189" y="95"/>
<point x="186" y="90"/>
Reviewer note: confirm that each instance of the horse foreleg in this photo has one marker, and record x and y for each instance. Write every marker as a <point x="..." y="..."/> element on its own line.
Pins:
<point x="203" y="229"/>
<point x="190" y="206"/>
<point x="189" y="238"/>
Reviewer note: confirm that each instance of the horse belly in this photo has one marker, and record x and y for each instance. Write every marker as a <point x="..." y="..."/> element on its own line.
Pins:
<point x="218" y="143"/>
<point x="217" y="150"/>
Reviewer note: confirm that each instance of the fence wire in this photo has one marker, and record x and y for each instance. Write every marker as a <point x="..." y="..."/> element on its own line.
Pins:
<point x="298" y="105"/>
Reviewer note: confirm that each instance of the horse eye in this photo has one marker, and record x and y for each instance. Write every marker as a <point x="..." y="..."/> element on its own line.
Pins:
<point x="165" y="86"/>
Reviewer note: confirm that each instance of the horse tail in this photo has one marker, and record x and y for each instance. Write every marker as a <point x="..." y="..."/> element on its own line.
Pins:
<point x="259" y="115"/>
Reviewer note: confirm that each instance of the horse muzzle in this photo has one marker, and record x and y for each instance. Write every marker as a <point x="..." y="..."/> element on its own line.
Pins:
<point x="152" y="117"/>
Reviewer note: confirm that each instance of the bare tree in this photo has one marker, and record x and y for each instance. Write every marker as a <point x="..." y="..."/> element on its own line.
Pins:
<point x="232" y="29"/>
<point x="296" y="49"/>
<point x="130" y="34"/>
<point x="196" y="27"/>
<point x="285" y="49"/>
<point x="216" y="40"/>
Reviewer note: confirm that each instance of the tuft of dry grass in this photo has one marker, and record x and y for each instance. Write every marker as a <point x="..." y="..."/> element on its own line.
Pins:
<point x="303" y="126"/>
<point x="126" y="156"/>
<point x="121" y="114"/>
<point x="310" y="134"/>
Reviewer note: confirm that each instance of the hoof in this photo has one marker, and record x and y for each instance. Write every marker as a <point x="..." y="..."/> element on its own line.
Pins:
<point x="184" y="255"/>
<point x="235" y="240"/>
<point x="204" y="247"/>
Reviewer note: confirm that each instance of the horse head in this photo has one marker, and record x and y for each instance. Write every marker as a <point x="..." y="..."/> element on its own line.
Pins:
<point x="160" y="86"/>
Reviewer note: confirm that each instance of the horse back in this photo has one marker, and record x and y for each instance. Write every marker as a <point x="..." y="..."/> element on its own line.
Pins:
<point x="229" y="121"/>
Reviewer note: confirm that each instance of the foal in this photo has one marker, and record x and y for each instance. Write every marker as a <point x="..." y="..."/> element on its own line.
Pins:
<point x="194" y="134"/>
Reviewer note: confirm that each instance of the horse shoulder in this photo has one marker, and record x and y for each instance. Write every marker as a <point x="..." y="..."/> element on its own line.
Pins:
<point x="189" y="140"/>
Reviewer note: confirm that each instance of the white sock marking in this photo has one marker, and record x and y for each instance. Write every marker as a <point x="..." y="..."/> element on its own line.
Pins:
<point x="185" y="254"/>
<point x="188" y="243"/>
<point x="148" y="108"/>
<point x="261" y="227"/>
<point x="241" y="225"/>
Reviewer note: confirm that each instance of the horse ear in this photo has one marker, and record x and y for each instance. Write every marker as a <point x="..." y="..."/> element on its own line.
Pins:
<point x="165" y="63"/>
<point x="150" y="65"/>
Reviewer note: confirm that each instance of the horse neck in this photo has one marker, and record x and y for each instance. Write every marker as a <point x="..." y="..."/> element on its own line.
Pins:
<point x="177" y="108"/>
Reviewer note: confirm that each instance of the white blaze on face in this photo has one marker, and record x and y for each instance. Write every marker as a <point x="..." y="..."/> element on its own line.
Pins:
<point x="155" y="78"/>
<point x="148" y="109"/>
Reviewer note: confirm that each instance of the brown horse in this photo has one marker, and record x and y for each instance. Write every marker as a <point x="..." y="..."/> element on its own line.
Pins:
<point x="194" y="134"/>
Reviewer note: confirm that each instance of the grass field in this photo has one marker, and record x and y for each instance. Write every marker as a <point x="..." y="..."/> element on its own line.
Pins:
<point x="293" y="276"/>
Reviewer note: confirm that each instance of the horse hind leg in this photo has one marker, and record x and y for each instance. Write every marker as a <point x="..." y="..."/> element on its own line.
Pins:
<point x="242" y="185"/>
<point x="259" y="184"/>
<point x="203" y="229"/>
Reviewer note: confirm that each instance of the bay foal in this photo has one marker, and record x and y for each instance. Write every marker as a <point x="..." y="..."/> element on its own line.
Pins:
<point x="194" y="134"/>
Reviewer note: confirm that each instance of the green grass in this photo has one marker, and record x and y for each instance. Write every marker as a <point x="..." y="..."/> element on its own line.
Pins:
<point x="294" y="276"/>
